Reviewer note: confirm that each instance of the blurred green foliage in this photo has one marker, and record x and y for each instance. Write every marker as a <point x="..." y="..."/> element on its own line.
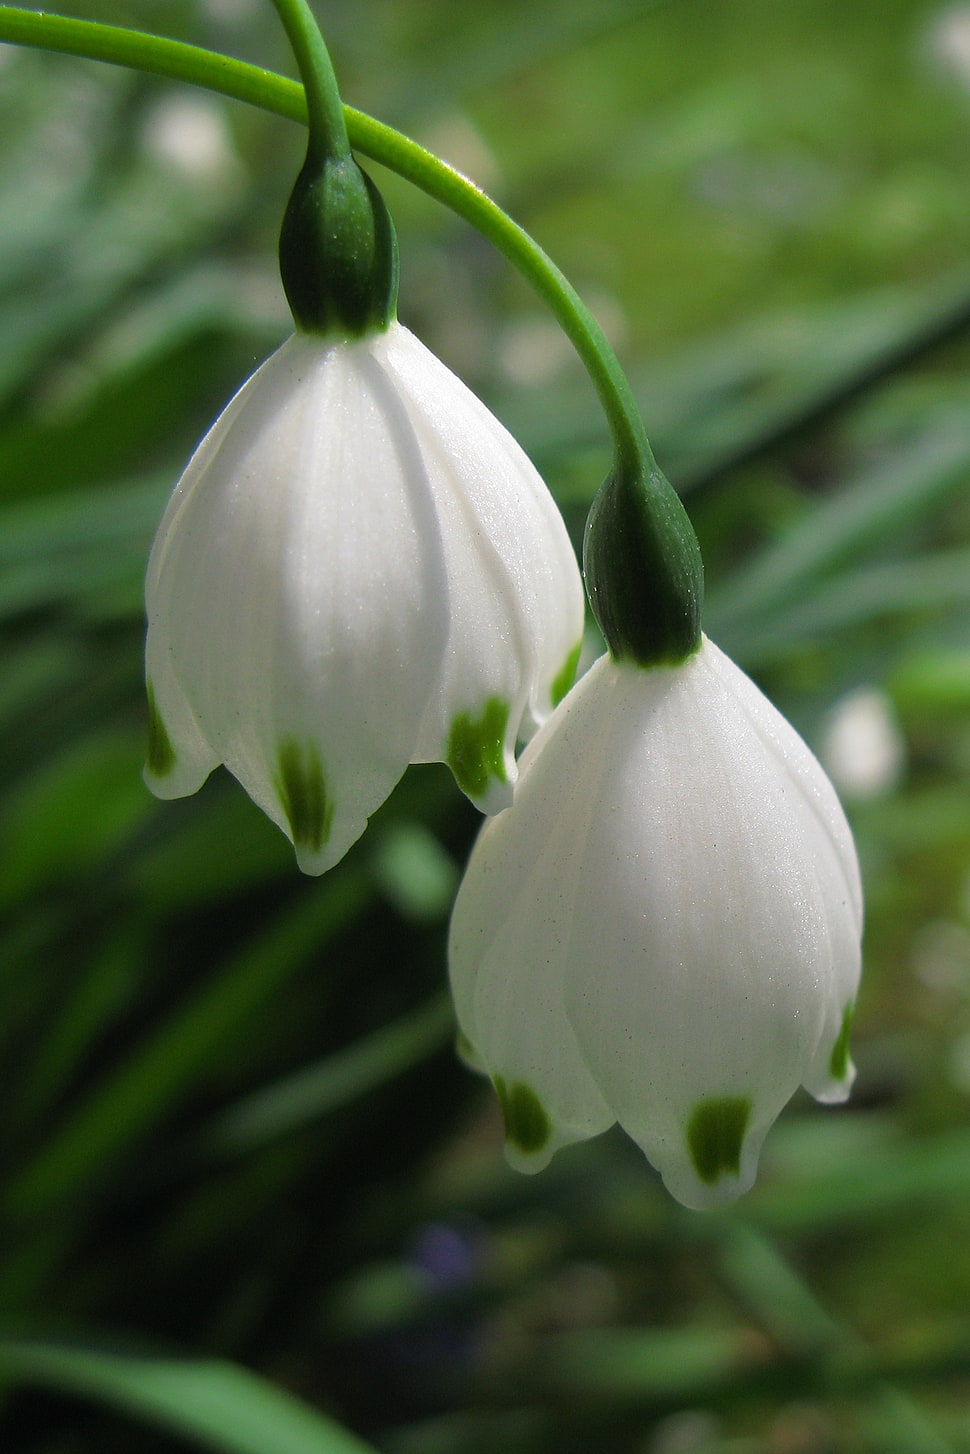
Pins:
<point x="249" y="1197"/>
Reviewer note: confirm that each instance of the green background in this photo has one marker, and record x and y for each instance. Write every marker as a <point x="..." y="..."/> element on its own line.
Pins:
<point x="243" y="1176"/>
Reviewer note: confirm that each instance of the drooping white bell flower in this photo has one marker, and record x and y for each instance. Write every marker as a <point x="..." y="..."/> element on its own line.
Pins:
<point x="359" y="569"/>
<point x="664" y="928"/>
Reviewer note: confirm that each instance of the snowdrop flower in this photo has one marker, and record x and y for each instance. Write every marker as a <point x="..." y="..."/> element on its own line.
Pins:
<point x="359" y="569"/>
<point x="862" y="746"/>
<point x="664" y="928"/>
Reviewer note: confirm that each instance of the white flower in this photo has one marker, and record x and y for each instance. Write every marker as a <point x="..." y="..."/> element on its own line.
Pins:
<point x="359" y="569"/>
<point x="664" y="929"/>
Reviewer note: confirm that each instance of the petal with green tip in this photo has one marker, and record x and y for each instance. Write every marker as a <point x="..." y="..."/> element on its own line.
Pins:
<point x="715" y="1136"/>
<point x="477" y="749"/>
<point x="356" y="551"/>
<point x="528" y="1129"/>
<point x="161" y="754"/>
<point x="664" y="928"/>
<point x="302" y="789"/>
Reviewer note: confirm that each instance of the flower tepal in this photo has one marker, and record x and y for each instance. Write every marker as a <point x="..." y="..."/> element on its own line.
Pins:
<point x="664" y="929"/>
<point x="359" y="569"/>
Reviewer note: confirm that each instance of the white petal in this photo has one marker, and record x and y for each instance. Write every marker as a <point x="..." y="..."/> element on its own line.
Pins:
<point x="675" y="874"/>
<point x="831" y="1073"/>
<point x="510" y="933"/>
<point x="515" y="594"/>
<point x="297" y="589"/>
<point x="712" y="873"/>
<point x="179" y="757"/>
<point x="358" y="569"/>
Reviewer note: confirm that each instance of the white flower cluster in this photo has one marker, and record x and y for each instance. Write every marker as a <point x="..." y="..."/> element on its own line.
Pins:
<point x="360" y="569"/>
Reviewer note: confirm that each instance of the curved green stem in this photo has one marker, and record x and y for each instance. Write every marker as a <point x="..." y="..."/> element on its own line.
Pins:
<point x="445" y="184"/>
<point x="258" y="87"/>
<point x="325" y="112"/>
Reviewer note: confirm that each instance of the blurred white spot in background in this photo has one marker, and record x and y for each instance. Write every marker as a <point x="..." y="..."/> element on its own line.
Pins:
<point x="690" y="1431"/>
<point x="458" y="141"/>
<point x="190" y="136"/>
<point x="949" y="40"/>
<point x="231" y="12"/>
<point x="862" y="748"/>
<point x="534" y="350"/>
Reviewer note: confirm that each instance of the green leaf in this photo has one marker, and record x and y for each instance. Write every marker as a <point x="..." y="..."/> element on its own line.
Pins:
<point x="73" y="811"/>
<point x="79" y="546"/>
<point x="155" y="1077"/>
<point x="939" y="582"/>
<point x="871" y="510"/>
<point x="335" y="1081"/>
<point x="217" y="1405"/>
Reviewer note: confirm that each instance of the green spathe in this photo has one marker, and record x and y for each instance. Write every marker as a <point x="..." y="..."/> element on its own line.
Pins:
<point x="161" y="753"/>
<point x="476" y="747"/>
<point x="302" y="788"/>
<point x="338" y="251"/>
<point x="643" y="568"/>
<point x="715" y="1136"/>
<point x="527" y="1126"/>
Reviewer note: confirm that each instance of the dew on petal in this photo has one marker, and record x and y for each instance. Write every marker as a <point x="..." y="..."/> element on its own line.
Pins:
<point x="527" y="1126"/>
<point x="839" y="1060"/>
<point x="302" y="790"/>
<point x="715" y="1135"/>
<point x="476" y="747"/>
<point x="566" y="676"/>
<point x="161" y="753"/>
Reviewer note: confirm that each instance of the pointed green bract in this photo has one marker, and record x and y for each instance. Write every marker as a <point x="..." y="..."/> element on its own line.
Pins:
<point x="527" y="1127"/>
<point x="567" y="676"/>
<point x="839" y="1059"/>
<point x="302" y="788"/>
<point x="476" y="747"/>
<point x="715" y="1135"/>
<point x="161" y="753"/>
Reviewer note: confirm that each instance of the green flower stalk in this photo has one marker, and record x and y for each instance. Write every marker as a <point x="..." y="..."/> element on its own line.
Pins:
<point x="338" y="250"/>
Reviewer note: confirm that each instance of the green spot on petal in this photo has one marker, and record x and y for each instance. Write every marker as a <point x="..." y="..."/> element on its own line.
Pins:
<point x="715" y="1135"/>
<point x="567" y="676"/>
<point x="466" y="1051"/>
<point x="303" y="793"/>
<point x="527" y="1127"/>
<point x="476" y="748"/>
<point x="161" y="753"/>
<point x="839" y="1059"/>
